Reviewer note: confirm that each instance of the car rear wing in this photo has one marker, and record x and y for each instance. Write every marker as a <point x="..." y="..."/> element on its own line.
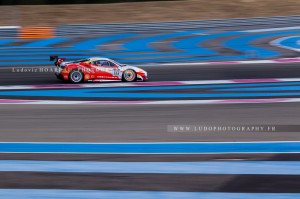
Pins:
<point x="56" y="59"/>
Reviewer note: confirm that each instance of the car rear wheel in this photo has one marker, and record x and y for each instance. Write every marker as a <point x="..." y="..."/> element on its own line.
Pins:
<point x="129" y="76"/>
<point x="76" y="76"/>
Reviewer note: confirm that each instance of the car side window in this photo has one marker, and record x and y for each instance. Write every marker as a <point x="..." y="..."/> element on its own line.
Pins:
<point x="111" y="64"/>
<point x="102" y="63"/>
<point x="96" y="63"/>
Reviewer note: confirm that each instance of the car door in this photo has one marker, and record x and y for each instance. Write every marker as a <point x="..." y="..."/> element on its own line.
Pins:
<point x="115" y="71"/>
<point x="107" y="70"/>
<point x="102" y="69"/>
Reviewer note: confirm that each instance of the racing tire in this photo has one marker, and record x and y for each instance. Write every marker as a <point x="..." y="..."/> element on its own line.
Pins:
<point x="76" y="76"/>
<point x="129" y="75"/>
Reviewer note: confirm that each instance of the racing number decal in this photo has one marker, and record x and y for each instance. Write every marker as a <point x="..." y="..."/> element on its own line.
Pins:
<point x="116" y="72"/>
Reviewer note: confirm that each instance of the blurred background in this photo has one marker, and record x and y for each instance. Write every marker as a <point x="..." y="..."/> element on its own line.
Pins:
<point x="37" y="13"/>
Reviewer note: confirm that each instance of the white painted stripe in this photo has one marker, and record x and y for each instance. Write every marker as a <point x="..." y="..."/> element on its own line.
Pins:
<point x="53" y="102"/>
<point x="293" y="100"/>
<point x="175" y="102"/>
<point x="258" y="62"/>
<point x="167" y="102"/>
<point x="15" y="87"/>
<point x="9" y="27"/>
<point x="288" y="79"/>
<point x="271" y="29"/>
<point x="231" y="101"/>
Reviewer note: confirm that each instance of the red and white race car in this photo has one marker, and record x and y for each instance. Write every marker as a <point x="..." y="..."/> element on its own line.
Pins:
<point x="95" y="69"/>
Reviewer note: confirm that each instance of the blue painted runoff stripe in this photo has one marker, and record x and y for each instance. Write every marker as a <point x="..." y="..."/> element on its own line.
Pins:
<point x="107" y="194"/>
<point x="243" y="44"/>
<point x="152" y="148"/>
<point x="93" y="43"/>
<point x="5" y="41"/>
<point x="192" y="44"/>
<point x="88" y="94"/>
<point x="125" y="92"/>
<point x="178" y="87"/>
<point x="142" y="44"/>
<point x="203" y="167"/>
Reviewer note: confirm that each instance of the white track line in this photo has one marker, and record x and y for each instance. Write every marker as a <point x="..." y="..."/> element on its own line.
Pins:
<point x="167" y="102"/>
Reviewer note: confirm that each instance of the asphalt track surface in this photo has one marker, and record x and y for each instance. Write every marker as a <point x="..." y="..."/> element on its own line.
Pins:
<point x="10" y="76"/>
<point x="148" y="123"/>
<point x="140" y="123"/>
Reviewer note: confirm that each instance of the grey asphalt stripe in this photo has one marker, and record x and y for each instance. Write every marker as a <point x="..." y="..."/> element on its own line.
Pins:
<point x="149" y="157"/>
<point x="174" y="73"/>
<point x="75" y="123"/>
<point x="152" y="182"/>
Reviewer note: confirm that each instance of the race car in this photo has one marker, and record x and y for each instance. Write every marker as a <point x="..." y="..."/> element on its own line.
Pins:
<point x="96" y="69"/>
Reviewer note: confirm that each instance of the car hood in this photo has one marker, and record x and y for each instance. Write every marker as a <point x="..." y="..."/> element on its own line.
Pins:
<point x="137" y="69"/>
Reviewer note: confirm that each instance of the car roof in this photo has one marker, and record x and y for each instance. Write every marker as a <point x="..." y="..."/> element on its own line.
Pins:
<point x="98" y="58"/>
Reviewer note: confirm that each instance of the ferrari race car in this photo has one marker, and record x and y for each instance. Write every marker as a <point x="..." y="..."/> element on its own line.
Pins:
<point x="96" y="69"/>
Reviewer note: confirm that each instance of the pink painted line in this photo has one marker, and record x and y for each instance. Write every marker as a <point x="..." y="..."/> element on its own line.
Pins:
<point x="224" y="62"/>
<point x="159" y="83"/>
<point x="254" y="80"/>
<point x="57" y="86"/>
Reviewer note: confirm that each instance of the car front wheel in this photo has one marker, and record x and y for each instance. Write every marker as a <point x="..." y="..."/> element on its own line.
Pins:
<point x="129" y="76"/>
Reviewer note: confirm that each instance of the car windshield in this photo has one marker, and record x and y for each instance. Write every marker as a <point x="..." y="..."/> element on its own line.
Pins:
<point x="117" y="63"/>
